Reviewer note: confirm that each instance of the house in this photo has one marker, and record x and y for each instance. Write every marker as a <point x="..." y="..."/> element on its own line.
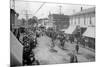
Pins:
<point x="83" y="20"/>
<point x="45" y="22"/>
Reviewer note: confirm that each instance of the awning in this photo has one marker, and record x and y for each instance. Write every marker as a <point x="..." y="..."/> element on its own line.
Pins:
<point x="16" y="50"/>
<point x="79" y="31"/>
<point x="90" y="32"/>
<point x="70" y="29"/>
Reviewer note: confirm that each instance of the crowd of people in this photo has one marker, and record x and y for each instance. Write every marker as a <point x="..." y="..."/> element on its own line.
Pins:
<point x="28" y="38"/>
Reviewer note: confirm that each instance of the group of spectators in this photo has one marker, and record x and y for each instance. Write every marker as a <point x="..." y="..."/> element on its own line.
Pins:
<point x="28" y="38"/>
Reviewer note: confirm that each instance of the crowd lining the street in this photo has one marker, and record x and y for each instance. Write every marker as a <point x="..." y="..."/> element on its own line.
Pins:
<point x="28" y="38"/>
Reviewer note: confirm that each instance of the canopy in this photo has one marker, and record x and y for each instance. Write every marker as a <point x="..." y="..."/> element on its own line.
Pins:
<point x="16" y="50"/>
<point x="70" y="29"/>
<point x="90" y="32"/>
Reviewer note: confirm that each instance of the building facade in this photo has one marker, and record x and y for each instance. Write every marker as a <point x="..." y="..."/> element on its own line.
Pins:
<point x="84" y="18"/>
<point x="60" y="21"/>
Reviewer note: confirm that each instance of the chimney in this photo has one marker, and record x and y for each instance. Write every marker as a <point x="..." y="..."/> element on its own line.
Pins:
<point x="81" y="8"/>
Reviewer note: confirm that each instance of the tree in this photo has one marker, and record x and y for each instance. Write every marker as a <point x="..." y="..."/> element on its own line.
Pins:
<point x="23" y="21"/>
<point x="32" y="20"/>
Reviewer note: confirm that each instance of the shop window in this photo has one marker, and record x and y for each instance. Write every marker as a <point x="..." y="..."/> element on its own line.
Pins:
<point x="90" y="21"/>
<point x="73" y="21"/>
<point x="87" y="21"/>
<point x="76" y="21"/>
<point x="79" y="21"/>
<point x="93" y="21"/>
<point x="84" y="20"/>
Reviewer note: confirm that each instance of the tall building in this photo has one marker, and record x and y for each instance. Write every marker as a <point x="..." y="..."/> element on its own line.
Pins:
<point x="82" y="25"/>
<point x="85" y="19"/>
<point x="61" y="21"/>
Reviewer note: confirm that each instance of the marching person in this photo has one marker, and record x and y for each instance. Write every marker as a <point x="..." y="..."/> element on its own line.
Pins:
<point x="73" y="58"/>
<point x="62" y="41"/>
<point x="77" y="48"/>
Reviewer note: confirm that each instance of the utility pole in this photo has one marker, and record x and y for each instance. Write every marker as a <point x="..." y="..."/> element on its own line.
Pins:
<point x="26" y="15"/>
<point x="60" y="9"/>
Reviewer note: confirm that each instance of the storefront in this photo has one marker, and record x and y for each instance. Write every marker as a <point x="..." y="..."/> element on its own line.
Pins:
<point x="79" y="31"/>
<point x="89" y="37"/>
<point x="90" y="32"/>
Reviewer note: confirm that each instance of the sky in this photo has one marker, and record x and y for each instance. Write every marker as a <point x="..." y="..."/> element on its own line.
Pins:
<point x="31" y="7"/>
